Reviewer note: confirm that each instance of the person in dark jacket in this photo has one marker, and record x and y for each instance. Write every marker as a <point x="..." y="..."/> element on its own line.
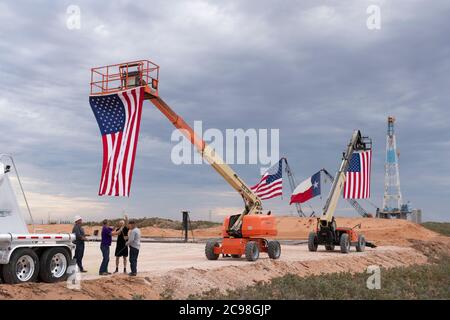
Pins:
<point x="121" y="247"/>
<point x="107" y="234"/>
<point x="80" y="238"/>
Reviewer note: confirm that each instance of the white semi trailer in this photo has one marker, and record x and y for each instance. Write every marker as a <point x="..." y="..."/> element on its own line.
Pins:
<point x="25" y="256"/>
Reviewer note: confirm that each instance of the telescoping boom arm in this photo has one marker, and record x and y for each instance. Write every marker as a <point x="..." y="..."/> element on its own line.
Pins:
<point x="145" y="73"/>
<point x="353" y="202"/>
<point x="251" y="200"/>
<point x="356" y="143"/>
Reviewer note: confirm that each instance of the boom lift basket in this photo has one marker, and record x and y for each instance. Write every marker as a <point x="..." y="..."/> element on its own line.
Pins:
<point x="123" y="76"/>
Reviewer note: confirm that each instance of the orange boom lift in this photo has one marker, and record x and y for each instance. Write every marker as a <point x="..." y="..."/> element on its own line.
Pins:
<point x="244" y="233"/>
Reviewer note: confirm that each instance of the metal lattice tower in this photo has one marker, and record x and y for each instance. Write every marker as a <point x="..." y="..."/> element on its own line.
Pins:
<point x="392" y="200"/>
<point x="293" y="184"/>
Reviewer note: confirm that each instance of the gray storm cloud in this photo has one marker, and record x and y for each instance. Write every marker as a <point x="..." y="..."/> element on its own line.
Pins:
<point x="311" y="69"/>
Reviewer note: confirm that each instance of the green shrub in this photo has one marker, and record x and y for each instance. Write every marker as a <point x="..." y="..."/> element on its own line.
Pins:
<point x="413" y="282"/>
<point x="161" y="223"/>
<point x="439" y="227"/>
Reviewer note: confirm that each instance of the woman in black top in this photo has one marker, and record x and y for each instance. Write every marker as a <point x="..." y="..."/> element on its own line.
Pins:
<point x="121" y="248"/>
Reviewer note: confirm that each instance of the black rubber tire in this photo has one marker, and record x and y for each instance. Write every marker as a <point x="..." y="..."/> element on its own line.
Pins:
<point x="345" y="243"/>
<point x="1" y="274"/>
<point x="251" y="251"/>
<point x="209" y="250"/>
<point x="236" y="256"/>
<point x="274" y="249"/>
<point x="313" y="241"/>
<point x="329" y="247"/>
<point x="361" y="245"/>
<point x="9" y="270"/>
<point x="45" y="273"/>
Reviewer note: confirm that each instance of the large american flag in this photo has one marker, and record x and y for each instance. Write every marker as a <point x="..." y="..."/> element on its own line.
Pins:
<point x="271" y="183"/>
<point x="118" y="116"/>
<point x="357" y="177"/>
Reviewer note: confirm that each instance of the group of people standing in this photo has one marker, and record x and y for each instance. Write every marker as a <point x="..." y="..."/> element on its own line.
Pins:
<point x="128" y="244"/>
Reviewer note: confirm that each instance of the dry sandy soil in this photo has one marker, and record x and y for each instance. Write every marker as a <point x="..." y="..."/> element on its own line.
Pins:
<point x="178" y="270"/>
<point x="382" y="232"/>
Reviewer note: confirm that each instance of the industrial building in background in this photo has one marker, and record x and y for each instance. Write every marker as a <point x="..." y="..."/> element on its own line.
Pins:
<point x="416" y="215"/>
<point x="393" y="206"/>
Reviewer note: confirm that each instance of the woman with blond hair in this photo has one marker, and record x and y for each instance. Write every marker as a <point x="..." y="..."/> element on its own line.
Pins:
<point x="121" y="247"/>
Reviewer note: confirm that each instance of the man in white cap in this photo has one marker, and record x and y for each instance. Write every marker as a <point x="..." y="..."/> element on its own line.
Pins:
<point x="80" y="238"/>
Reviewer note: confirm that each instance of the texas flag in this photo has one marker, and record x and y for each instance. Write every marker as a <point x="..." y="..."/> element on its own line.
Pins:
<point x="307" y="189"/>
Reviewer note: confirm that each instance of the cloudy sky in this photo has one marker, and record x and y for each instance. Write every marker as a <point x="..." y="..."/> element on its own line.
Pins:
<point x="309" y="68"/>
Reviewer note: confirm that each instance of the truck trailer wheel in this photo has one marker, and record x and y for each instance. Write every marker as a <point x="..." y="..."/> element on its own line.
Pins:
<point x="313" y="241"/>
<point x="361" y="245"/>
<point x="209" y="250"/>
<point x="54" y="265"/>
<point x="345" y="243"/>
<point x="251" y="251"/>
<point x="274" y="249"/>
<point x="23" y="267"/>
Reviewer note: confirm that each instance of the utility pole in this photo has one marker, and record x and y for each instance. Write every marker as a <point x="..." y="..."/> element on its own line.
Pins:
<point x="186" y="226"/>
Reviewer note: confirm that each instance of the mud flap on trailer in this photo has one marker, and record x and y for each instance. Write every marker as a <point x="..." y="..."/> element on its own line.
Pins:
<point x="73" y="276"/>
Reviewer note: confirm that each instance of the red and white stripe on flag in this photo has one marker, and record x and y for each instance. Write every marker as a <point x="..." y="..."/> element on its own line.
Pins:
<point x="357" y="181"/>
<point x="119" y="148"/>
<point x="271" y="183"/>
<point x="267" y="191"/>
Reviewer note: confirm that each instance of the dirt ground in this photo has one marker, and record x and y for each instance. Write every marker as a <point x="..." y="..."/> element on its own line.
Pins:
<point x="380" y="231"/>
<point x="176" y="270"/>
<point x="146" y="232"/>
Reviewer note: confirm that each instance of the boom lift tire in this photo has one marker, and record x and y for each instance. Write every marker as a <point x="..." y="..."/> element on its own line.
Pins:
<point x="251" y="251"/>
<point x="361" y="245"/>
<point x="274" y="249"/>
<point x="23" y="267"/>
<point x="345" y="243"/>
<point x="313" y="241"/>
<point x="329" y="247"/>
<point x="209" y="250"/>
<point x="54" y="263"/>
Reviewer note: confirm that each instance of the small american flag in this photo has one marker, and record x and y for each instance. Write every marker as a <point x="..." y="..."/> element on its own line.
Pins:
<point x="357" y="177"/>
<point x="271" y="183"/>
<point x="118" y="116"/>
